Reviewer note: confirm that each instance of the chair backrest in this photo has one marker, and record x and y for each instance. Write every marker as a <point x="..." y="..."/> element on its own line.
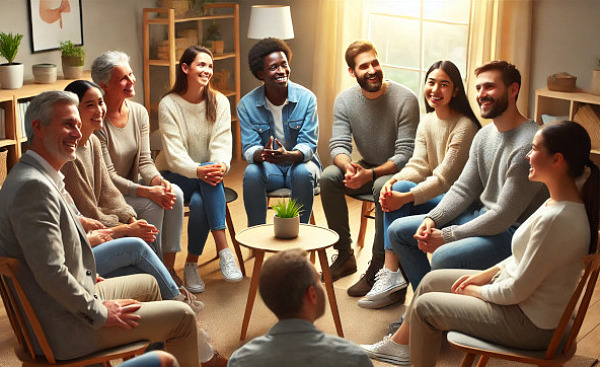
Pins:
<point x="20" y="312"/>
<point x="572" y="319"/>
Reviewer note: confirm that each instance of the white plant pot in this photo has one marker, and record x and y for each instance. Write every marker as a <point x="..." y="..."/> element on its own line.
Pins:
<point x="44" y="73"/>
<point x="595" y="87"/>
<point x="11" y="76"/>
<point x="286" y="227"/>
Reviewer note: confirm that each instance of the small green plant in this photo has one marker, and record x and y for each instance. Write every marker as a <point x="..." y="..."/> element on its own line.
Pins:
<point x="598" y="62"/>
<point x="289" y="209"/>
<point x="212" y="32"/>
<point x="68" y="49"/>
<point x="9" y="45"/>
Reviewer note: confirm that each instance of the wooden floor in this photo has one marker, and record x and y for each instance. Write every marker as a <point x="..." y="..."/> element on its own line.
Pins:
<point x="589" y="337"/>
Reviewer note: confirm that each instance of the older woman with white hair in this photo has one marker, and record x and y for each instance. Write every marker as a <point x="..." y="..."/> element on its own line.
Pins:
<point x="125" y="143"/>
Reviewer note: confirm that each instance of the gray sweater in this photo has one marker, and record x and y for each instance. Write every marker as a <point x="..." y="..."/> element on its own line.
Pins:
<point x="495" y="176"/>
<point x="383" y="128"/>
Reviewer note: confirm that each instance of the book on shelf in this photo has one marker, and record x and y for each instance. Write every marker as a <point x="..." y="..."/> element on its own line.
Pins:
<point x="21" y="109"/>
<point x="2" y="124"/>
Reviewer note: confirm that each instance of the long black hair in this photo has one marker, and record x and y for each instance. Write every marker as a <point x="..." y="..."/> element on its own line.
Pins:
<point x="458" y="103"/>
<point x="572" y="141"/>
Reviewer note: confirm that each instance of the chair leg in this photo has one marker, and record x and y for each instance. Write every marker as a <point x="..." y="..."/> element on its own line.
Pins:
<point x="366" y="206"/>
<point x="483" y="360"/>
<point x="236" y="244"/>
<point x="312" y="219"/>
<point x="467" y="360"/>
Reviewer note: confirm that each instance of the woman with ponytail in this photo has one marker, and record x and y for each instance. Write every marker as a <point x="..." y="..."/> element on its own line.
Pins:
<point x="519" y="302"/>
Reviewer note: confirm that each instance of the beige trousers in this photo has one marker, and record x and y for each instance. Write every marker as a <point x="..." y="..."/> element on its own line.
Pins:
<point x="434" y="309"/>
<point x="171" y="321"/>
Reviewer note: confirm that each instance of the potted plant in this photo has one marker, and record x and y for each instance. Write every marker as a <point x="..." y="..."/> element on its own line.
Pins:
<point x="286" y="222"/>
<point x="11" y="74"/>
<point x="72" y="60"/>
<point x="214" y="37"/>
<point x="595" y="88"/>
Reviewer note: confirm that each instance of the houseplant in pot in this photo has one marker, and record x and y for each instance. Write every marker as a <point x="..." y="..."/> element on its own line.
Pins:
<point x="595" y="87"/>
<point x="286" y="222"/>
<point x="72" y="60"/>
<point x="11" y="74"/>
<point x="213" y="36"/>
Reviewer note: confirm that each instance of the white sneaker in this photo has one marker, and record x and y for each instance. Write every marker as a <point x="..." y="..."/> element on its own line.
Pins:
<point x="229" y="268"/>
<point x="386" y="282"/>
<point x="388" y="351"/>
<point x="190" y="299"/>
<point x="191" y="278"/>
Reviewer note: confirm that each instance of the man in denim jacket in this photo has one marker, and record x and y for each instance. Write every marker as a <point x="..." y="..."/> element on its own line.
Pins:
<point x="279" y="131"/>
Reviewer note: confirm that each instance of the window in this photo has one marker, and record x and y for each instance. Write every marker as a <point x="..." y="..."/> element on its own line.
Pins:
<point x="410" y="35"/>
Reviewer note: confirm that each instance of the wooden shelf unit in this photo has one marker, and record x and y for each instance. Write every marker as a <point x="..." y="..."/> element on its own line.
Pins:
<point x="564" y="104"/>
<point x="225" y="13"/>
<point x="9" y="100"/>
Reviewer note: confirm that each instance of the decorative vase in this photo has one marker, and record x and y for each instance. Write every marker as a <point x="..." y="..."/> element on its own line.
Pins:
<point x="44" y="73"/>
<point x="286" y="227"/>
<point x="11" y="76"/>
<point x="72" y="67"/>
<point x="595" y="87"/>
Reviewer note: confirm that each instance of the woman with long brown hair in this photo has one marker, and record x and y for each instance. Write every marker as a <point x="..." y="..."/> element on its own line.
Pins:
<point x="195" y="124"/>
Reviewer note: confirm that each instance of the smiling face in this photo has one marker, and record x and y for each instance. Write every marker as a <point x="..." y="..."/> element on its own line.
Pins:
<point x="122" y="82"/>
<point x="199" y="71"/>
<point x="539" y="159"/>
<point x="492" y="94"/>
<point x="439" y="90"/>
<point x="92" y="110"/>
<point x="276" y="72"/>
<point x="60" y="137"/>
<point x="368" y="71"/>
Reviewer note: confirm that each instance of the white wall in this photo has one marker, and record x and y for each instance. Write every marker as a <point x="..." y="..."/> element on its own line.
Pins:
<point x="565" y="38"/>
<point x="107" y="25"/>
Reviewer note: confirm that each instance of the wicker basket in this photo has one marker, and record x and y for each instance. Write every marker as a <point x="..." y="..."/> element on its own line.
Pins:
<point x="220" y="80"/>
<point x="181" y="6"/>
<point x="3" y="170"/>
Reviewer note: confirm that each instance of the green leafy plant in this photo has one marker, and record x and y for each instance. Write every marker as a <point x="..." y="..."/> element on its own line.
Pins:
<point x="289" y="209"/>
<point x="9" y="45"/>
<point x="212" y="32"/>
<point x="68" y="49"/>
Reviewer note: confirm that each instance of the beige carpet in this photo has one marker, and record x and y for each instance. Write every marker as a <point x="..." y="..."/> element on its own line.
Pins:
<point x="225" y="304"/>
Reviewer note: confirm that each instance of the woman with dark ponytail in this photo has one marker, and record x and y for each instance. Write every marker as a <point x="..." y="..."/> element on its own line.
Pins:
<point x="518" y="302"/>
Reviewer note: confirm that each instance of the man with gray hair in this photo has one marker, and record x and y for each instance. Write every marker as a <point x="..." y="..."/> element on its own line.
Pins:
<point x="290" y="287"/>
<point x="79" y="312"/>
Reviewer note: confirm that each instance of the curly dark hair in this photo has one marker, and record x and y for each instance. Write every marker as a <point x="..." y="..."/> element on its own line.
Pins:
<point x="263" y="48"/>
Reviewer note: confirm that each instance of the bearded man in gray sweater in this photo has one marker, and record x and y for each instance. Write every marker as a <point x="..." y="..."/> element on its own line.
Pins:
<point x="382" y="117"/>
<point x="473" y="225"/>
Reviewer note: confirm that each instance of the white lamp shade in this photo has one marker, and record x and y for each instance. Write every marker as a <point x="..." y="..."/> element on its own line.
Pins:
<point x="270" y="21"/>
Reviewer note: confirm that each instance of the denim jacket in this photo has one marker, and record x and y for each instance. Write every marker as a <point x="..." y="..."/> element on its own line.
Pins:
<point x="300" y="122"/>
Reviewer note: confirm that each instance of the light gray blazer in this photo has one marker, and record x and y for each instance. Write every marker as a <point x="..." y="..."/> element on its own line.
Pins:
<point x="58" y="273"/>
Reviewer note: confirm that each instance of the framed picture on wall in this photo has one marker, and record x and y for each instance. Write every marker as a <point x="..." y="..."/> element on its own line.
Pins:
<point x="54" y="21"/>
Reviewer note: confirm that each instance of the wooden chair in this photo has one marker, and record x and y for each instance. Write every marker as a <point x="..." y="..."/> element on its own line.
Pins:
<point x="563" y="344"/>
<point x="13" y="296"/>
<point x="287" y="193"/>
<point x="230" y="196"/>
<point x="368" y="206"/>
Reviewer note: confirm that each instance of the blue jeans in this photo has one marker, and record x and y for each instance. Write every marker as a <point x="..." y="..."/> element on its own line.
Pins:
<point x="207" y="208"/>
<point x="406" y="210"/>
<point x="259" y="178"/>
<point x="468" y="253"/>
<point x="131" y="255"/>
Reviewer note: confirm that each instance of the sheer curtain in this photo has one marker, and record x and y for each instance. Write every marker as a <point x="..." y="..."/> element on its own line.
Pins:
<point x="338" y="23"/>
<point x="500" y="30"/>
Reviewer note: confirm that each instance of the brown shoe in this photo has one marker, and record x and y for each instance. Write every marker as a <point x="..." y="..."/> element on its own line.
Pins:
<point x="364" y="285"/>
<point x="216" y="361"/>
<point x="343" y="265"/>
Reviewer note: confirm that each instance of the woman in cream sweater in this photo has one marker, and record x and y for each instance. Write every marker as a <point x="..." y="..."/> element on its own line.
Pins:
<point x="195" y="125"/>
<point x="441" y="150"/>
<point x="519" y="301"/>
